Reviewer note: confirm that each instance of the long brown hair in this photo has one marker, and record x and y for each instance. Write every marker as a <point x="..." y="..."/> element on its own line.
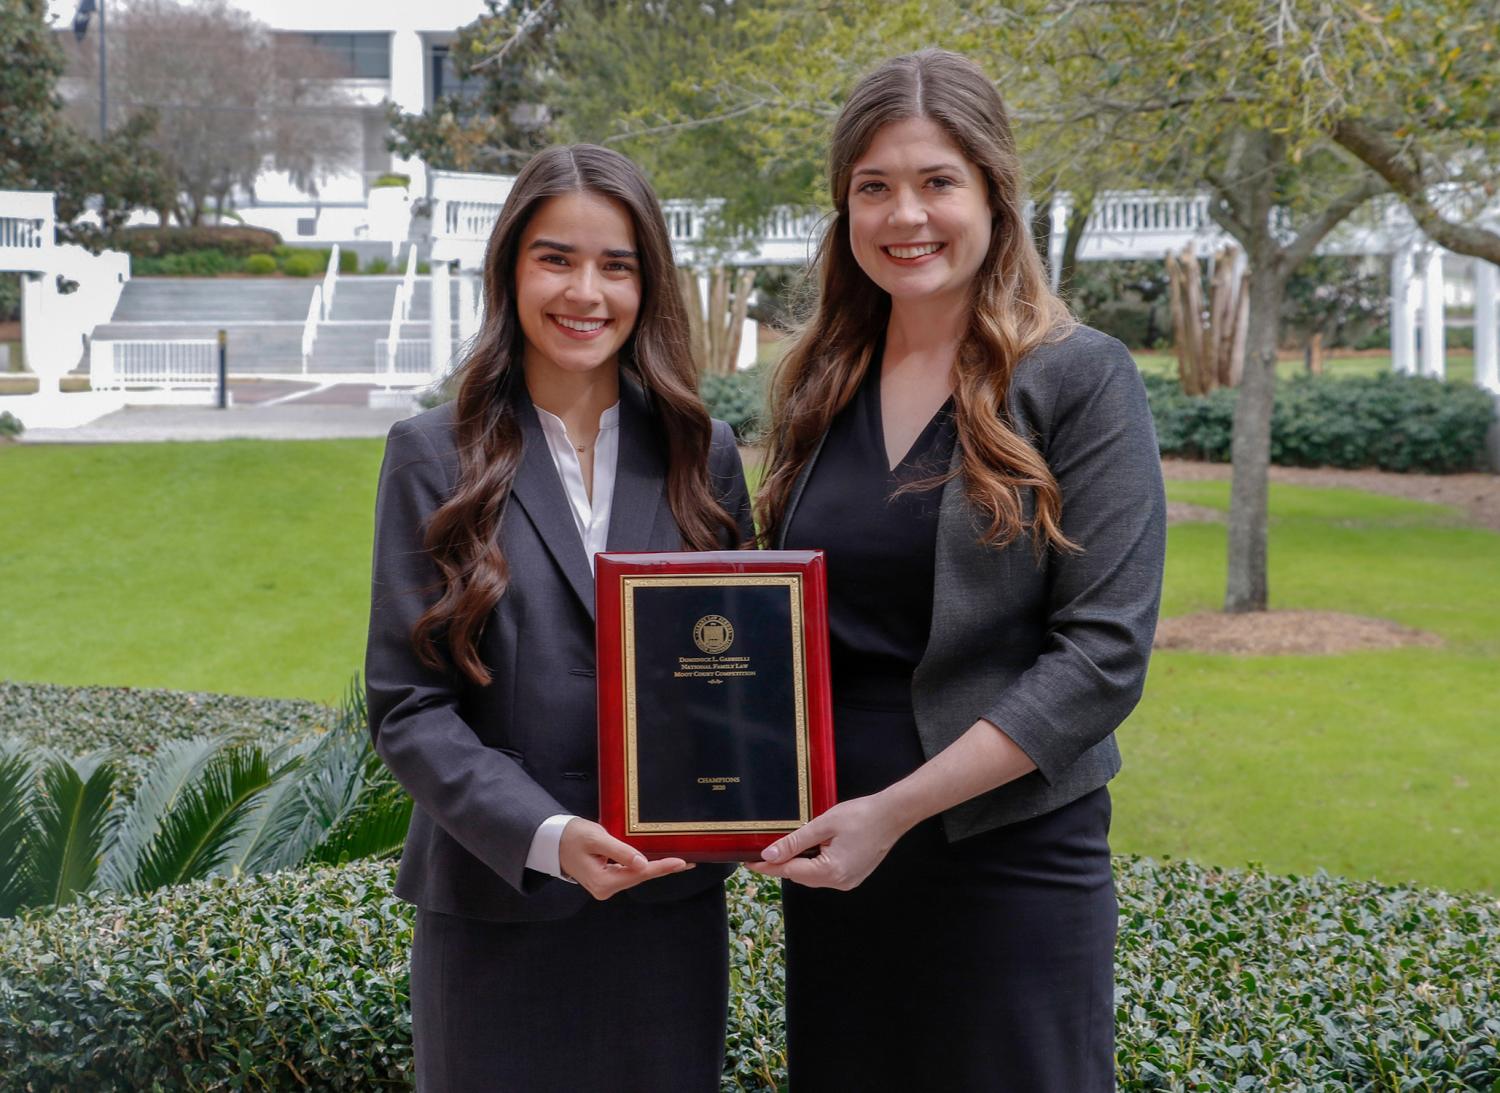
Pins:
<point x="463" y="535"/>
<point x="1014" y="309"/>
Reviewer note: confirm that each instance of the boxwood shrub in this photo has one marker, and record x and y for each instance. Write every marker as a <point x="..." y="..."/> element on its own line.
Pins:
<point x="739" y="399"/>
<point x="1227" y="980"/>
<point x="133" y="722"/>
<point x="10" y="425"/>
<point x="1395" y="423"/>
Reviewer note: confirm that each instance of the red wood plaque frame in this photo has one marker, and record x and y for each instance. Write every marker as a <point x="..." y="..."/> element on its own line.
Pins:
<point x="618" y="577"/>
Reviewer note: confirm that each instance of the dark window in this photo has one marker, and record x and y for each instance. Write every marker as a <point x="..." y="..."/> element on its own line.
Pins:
<point x="446" y="81"/>
<point x="362" y="56"/>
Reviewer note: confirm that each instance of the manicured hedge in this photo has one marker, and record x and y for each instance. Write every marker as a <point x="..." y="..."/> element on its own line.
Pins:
<point x="80" y="720"/>
<point x="1227" y="980"/>
<point x="1395" y="423"/>
<point x="10" y="425"/>
<point x="237" y="242"/>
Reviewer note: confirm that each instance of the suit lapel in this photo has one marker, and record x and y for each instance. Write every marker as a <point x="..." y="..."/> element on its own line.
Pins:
<point x="797" y="487"/>
<point x="540" y="492"/>
<point x="640" y="479"/>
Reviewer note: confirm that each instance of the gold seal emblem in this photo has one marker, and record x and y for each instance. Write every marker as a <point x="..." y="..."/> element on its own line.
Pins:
<point x="713" y="634"/>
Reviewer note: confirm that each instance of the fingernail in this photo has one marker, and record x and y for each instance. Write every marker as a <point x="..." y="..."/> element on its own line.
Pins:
<point x="771" y="853"/>
<point x="638" y="861"/>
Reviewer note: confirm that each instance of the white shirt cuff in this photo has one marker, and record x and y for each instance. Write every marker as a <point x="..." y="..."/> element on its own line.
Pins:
<point x="545" y="845"/>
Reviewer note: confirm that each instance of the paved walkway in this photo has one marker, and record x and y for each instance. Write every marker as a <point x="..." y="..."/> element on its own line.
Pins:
<point x="279" y="410"/>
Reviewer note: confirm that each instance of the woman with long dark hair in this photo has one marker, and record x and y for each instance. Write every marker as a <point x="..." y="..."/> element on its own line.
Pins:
<point x="983" y="474"/>
<point x="577" y="428"/>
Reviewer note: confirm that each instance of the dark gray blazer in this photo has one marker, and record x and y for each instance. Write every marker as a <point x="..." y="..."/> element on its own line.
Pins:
<point x="486" y="765"/>
<point x="1052" y="651"/>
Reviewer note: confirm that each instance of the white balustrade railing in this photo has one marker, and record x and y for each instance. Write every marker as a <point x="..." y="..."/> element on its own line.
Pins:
<point x="115" y="364"/>
<point x="28" y="228"/>
<point x="470" y="219"/>
<point x="403" y="359"/>
<point x="330" y="282"/>
<point x="310" y="324"/>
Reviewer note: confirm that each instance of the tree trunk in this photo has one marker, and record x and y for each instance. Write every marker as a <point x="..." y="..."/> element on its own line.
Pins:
<point x="744" y="284"/>
<point x="1315" y="353"/>
<point x="1251" y="446"/>
<point x="692" y="299"/>
<point x="1078" y="218"/>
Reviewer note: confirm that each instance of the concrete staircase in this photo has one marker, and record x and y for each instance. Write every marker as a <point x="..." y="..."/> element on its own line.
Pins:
<point x="264" y="320"/>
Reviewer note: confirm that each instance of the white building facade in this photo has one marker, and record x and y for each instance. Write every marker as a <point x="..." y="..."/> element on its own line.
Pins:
<point x="390" y="53"/>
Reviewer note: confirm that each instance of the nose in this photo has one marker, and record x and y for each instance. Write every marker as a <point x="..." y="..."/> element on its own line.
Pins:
<point x="907" y="210"/>
<point x="583" y="286"/>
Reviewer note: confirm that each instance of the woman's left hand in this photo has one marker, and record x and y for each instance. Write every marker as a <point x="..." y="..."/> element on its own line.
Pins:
<point x="853" y="837"/>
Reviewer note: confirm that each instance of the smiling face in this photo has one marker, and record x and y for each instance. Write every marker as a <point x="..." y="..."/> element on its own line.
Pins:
<point x="578" y="283"/>
<point x="919" y="215"/>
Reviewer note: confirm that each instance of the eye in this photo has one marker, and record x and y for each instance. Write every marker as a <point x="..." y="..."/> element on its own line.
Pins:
<point x="553" y="259"/>
<point x="939" y="182"/>
<point x="871" y="187"/>
<point x="618" y="267"/>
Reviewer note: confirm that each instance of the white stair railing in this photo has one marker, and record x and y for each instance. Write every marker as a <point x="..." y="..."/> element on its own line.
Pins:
<point x="400" y="309"/>
<point x="408" y="282"/>
<point x="310" y="325"/>
<point x="330" y="282"/>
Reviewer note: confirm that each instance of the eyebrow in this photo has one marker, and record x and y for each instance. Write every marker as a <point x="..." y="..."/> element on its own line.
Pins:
<point x="936" y="167"/>
<point x="569" y="248"/>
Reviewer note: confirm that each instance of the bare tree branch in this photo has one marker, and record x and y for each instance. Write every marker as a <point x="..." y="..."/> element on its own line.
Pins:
<point x="686" y="124"/>
<point x="1334" y="213"/>
<point x="1383" y="156"/>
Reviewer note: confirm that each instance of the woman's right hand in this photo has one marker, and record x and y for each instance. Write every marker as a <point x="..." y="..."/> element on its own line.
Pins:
<point x="603" y="864"/>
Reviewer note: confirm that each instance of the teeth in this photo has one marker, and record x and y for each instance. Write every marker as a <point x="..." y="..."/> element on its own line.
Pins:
<point x="913" y="252"/>
<point x="584" y="325"/>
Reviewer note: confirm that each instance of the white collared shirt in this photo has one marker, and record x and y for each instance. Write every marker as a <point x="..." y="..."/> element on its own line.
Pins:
<point x="591" y="518"/>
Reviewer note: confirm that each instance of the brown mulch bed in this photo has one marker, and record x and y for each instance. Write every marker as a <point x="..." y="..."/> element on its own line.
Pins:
<point x="1268" y="633"/>
<point x="1478" y="495"/>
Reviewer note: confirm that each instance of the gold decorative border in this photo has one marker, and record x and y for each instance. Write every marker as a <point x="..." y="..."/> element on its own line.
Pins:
<point x="793" y="583"/>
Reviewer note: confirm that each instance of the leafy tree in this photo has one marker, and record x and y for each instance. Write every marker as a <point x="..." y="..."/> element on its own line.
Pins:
<point x="229" y="97"/>
<point x="1292" y="114"/>
<point x="40" y="150"/>
<point x="509" y="49"/>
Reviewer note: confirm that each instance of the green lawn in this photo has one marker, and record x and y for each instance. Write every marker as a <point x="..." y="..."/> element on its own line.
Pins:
<point x="243" y="567"/>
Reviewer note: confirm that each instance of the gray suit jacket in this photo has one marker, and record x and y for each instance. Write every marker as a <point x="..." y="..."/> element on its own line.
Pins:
<point x="1052" y="651"/>
<point x="486" y="765"/>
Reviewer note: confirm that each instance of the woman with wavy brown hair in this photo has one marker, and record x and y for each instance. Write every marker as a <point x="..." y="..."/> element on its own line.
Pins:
<point x="983" y="474"/>
<point x="577" y="428"/>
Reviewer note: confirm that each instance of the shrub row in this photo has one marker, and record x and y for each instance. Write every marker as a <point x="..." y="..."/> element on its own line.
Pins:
<point x="233" y="242"/>
<point x="1396" y="423"/>
<point x="211" y="262"/>
<point x="1226" y="980"/>
<point x="133" y="722"/>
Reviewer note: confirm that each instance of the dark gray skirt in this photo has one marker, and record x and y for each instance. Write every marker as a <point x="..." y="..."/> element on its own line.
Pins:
<point x="982" y="966"/>
<point x="623" y="996"/>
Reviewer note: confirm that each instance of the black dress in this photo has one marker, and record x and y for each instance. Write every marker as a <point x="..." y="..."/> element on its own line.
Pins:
<point x="981" y="965"/>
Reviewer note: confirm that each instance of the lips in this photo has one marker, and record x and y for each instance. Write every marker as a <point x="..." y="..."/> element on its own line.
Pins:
<point x="909" y="253"/>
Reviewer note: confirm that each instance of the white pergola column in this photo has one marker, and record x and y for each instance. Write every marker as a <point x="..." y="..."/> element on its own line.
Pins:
<point x="1057" y="236"/>
<point x="409" y="93"/>
<point x="1433" y="318"/>
<point x="1403" y="311"/>
<point x="440" y="323"/>
<point x="468" y="305"/>
<point x="1487" y="325"/>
